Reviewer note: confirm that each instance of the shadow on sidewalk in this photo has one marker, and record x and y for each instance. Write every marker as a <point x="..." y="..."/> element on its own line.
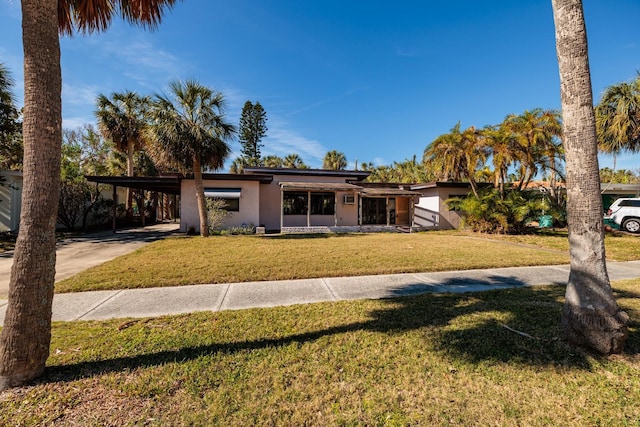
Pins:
<point x="464" y="327"/>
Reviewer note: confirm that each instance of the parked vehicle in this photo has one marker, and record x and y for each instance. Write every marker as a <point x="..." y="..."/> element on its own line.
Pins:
<point x="625" y="213"/>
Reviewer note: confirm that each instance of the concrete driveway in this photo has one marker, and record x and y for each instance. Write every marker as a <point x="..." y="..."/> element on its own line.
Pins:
<point x="79" y="253"/>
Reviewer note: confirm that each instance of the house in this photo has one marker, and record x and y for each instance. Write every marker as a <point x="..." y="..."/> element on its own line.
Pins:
<point x="307" y="200"/>
<point x="10" y="200"/>
<point x="315" y="200"/>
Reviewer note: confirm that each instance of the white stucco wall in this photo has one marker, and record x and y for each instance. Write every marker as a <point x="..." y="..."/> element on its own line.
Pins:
<point x="249" y="212"/>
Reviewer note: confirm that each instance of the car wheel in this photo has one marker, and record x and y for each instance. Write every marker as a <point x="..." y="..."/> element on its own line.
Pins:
<point x="631" y="225"/>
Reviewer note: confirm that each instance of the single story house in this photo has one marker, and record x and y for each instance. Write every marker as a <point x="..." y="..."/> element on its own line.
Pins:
<point x="317" y="200"/>
<point x="307" y="200"/>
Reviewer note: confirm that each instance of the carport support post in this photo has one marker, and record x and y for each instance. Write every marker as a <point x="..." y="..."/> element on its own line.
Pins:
<point x="115" y="209"/>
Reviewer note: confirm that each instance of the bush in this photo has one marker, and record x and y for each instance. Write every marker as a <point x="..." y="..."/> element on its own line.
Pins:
<point x="216" y="214"/>
<point x="493" y="212"/>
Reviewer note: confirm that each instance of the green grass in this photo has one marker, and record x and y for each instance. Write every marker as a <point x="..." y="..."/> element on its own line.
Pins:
<point x="227" y="259"/>
<point x="423" y="360"/>
<point x="619" y="246"/>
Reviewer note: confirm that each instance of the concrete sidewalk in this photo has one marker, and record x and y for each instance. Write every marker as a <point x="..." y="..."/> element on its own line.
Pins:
<point x="99" y="305"/>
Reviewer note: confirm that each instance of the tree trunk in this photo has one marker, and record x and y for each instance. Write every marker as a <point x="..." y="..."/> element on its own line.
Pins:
<point x="26" y="336"/>
<point x="202" y="204"/>
<point x="591" y="316"/>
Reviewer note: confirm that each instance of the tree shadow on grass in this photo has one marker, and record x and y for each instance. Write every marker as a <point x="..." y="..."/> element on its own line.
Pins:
<point x="516" y="325"/>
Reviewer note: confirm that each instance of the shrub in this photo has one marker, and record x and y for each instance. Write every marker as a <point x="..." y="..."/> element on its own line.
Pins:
<point x="492" y="212"/>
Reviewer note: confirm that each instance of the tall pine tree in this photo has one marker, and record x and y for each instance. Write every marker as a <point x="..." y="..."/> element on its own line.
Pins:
<point x="252" y="128"/>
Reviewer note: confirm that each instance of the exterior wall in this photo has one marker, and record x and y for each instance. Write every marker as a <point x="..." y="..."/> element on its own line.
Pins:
<point x="432" y="211"/>
<point x="10" y="201"/>
<point x="249" y="203"/>
<point x="270" y="204"/>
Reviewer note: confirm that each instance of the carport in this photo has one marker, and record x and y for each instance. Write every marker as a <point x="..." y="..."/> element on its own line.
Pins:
<point x="166" y="184"/>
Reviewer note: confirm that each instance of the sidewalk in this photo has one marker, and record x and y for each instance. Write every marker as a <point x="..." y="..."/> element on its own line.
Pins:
<point x="99" y="305"/>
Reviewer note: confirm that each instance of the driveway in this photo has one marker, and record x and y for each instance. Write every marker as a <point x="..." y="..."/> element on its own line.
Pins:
<point x="79" y="253"/>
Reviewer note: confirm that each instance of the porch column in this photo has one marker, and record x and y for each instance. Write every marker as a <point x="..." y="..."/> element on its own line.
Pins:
<point x="308" y="208"/>
<point x="144" y="209"/>
<point x="115" y="208"/>
<point x="281" y="209"/>
<point x="386" y="203"/>
<point x="335" y="208"/>
<point x="359" y="209"/>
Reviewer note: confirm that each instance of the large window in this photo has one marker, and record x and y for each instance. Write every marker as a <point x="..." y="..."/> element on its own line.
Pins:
<point x="323" y="203"/>
<point x="230" y="196"/>
<point x="297" y="203"/>
<point x="294" y="203"/>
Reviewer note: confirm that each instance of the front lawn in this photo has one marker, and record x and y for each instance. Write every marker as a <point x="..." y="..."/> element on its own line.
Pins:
<point x="423" y="360"/>
<point x="226" y="259"/>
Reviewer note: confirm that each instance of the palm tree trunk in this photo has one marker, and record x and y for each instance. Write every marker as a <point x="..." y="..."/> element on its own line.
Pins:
<point x="590" y="317"/>
<point x="26" y="335"/>
<point x="202" y="204"/>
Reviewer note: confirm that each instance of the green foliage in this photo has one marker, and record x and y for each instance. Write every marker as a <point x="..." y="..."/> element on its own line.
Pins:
<point x="216" y="214"/>
<point x="527" y="144"/>
<point x="242" y="229"/>
<point x="11" y="146"/>
<point x="621" y="176"/>
<point x="189" y="127"/>
<point x="334" y="160"/>
<point x="491" y="212"/>
<point x="272" y="161"/>
<point x="618" y="118"/>
<point x="294" y="161"/>
<point x="407" y="171"/>
<point x="251" y="130"/>
<point x="84" y="152"/>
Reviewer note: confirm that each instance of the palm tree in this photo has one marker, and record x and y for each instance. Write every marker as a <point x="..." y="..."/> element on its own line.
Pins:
<point x="590" y="316"/>
<point x="457" y="155"/>
<point x="618" y="119"/>
<point x="26" y="335"/>
<point x="334" y="160"/>
<point x="293" y="161"/>
<point x="272" y="161"/>
<point x="237" y="166"/>
<point x="10" y="126"/>
<point x="189" y="131"/>
<point x="121" y="119"/>
<point x="537" y="133"/>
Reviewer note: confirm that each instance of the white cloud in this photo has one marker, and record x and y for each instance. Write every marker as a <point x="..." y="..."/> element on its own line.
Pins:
<point x="74" y="122"/>
<point x="281" y="141"/>
<point x="79" y="95"/>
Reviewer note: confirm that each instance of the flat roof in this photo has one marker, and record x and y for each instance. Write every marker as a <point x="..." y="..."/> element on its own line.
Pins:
<point x="383" y="192"/>
<point x="161" y="184"/>
<point x="319" y="186"/>
<point x="358" y="175"/>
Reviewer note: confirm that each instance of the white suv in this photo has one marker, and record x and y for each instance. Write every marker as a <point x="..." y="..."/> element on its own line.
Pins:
<point x="626" y="214"/>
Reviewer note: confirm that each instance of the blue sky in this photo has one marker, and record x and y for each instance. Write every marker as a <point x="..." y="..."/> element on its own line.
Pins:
<point x="375" y="80"/>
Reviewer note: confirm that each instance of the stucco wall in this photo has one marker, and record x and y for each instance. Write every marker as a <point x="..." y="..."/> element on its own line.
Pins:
<point x="433" y="207"/>
<point x="249" y="203"/>
<point x="270" y="203"/>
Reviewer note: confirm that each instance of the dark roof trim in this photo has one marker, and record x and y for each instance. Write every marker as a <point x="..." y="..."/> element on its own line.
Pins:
<point x="161" y="184"/>
<point x="262" y="178"/>
<point x="447" y="184"/>
<point x="358" y="175"/>
<point x="318" y="186"/>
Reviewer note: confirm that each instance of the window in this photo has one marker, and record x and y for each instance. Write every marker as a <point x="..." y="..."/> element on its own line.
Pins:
<point x="294" y="203"/>
<point x="231" y="197"/>
<point x="323" y="203"/>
